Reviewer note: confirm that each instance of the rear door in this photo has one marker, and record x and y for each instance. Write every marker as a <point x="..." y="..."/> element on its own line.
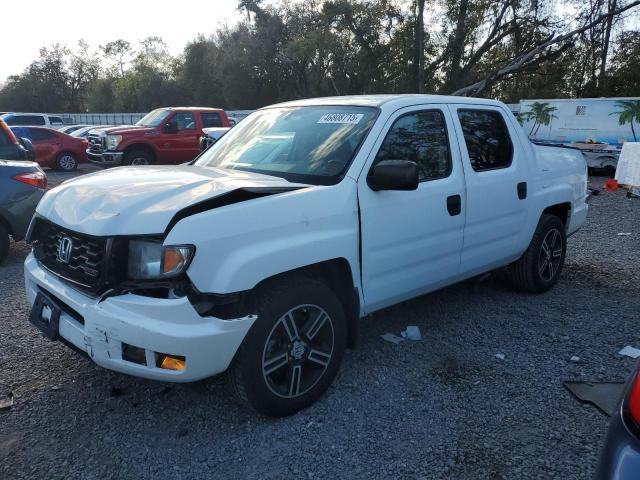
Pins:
<point x="496" y="175"/>
<point x="412" y="240"/>
<point x="46" y="146"/>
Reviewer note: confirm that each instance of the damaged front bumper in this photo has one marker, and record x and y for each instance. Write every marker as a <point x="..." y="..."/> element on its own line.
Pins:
<point x="155" y="326"/>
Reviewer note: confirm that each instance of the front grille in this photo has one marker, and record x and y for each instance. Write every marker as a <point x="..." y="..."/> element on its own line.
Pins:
<point x="86" y="262"/>
<point x="96" y="143"/>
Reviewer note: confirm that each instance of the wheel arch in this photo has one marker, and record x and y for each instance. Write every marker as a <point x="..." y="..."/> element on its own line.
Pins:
<point x="140" y="146"/>
<point x="336" y="274"/>
<point x="560" y="210"/>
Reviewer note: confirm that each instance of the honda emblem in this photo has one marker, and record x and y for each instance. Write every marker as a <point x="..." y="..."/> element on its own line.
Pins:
<point x="64" y="249"/>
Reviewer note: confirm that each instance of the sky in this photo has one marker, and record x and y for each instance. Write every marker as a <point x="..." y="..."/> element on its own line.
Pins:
<point x="40" y="23"/>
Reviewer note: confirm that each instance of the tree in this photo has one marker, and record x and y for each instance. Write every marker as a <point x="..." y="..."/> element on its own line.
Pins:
<point x="540" y="52"/>
<point x="630" y="112"/>
<point x="420" y="44"/>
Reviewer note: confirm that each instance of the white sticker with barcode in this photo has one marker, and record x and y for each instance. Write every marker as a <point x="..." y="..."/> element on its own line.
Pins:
<point x="348" y="118"/>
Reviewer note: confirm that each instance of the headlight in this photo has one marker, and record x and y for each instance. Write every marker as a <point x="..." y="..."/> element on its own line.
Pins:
<point x="113" y="141"/>
<point x="150" y="259"/>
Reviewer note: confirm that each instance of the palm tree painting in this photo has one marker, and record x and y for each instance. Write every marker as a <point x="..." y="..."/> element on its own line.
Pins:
<point x="629" y="113"/>
<point x="541" y="113"/>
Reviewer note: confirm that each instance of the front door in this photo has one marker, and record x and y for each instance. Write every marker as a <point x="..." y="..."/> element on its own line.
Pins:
<point x="183" y="144"/>
<point x="412" y="240"/>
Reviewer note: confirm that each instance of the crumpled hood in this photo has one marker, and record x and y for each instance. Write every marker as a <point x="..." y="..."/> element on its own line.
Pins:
<point x="143" y="200"/>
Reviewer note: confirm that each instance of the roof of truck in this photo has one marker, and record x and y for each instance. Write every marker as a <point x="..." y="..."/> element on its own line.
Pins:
<point x="397" y="101"/>
<point x="195" y="108"/>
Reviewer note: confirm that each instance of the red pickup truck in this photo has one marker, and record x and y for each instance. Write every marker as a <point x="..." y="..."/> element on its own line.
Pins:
<point x="165" y="135"/>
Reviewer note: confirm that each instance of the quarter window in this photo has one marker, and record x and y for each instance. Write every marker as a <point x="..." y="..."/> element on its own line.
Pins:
<point x="210" y="119"/>
<point x="422" y="138"/>
<point x="487" y="139"/>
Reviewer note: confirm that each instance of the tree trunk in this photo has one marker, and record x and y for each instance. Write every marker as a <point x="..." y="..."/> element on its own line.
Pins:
<point x="611" y="4"/>
<point x="457" y="47"/>
<point x="633" y="131"/>
<point x="535" y="123"/>
<point x="420" y="45"/>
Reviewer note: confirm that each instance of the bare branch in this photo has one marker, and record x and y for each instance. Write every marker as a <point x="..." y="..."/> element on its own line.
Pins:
<point x="525" y="58"/>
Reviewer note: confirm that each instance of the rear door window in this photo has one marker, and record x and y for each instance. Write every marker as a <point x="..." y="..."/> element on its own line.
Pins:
<point x="25" y="120"/>
<point x="487" y="139"/>
<point x="42" y="135"/>
<point x="210" y="119"/>
<point x="55" y="120"/>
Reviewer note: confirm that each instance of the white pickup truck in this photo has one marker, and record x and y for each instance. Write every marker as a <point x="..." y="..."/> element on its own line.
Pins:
<point x="261" y="255"/>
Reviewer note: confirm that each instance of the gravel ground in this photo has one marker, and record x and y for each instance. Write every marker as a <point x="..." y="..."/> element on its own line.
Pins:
<point x="444" y="407"/>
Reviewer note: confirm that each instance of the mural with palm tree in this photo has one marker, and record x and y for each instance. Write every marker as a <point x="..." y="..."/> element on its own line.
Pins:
<point x="629" y="112"/>
<point x="541" y="113"/>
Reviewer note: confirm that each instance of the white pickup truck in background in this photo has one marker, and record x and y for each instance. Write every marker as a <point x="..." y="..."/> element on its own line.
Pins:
<point x="261" y="256"/>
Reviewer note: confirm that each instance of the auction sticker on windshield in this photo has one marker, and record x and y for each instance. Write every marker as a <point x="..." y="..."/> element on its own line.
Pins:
<point x="349" y="118"/>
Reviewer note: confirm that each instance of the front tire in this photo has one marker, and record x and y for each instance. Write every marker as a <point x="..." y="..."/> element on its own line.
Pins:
<point x="293" y="350"/>
<point x="66" y="162"/>
<point x="138" y="157"/>
<point x="538" y="270"/>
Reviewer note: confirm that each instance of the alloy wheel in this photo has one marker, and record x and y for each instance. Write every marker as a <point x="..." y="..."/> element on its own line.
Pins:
<point x="139" y="161"/>
<point x="67" y="162"/>
<point x="550" y="254"/>
<point x="298" y="351"/>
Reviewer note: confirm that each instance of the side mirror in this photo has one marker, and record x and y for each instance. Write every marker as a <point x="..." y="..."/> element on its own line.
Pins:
<point x="171" y="127"/>
<point x="393" y="175"/>
<point x="28" y="146"/>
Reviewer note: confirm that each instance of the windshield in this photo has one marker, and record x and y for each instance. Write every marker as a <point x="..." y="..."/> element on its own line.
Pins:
<point x="153" y="119"/>
<point x="301" y="144"/>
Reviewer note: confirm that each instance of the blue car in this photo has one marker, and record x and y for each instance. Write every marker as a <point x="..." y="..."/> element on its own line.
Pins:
<point x="620" y="457"/>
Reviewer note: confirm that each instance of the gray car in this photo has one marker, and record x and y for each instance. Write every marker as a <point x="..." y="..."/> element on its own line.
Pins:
<point x="620" y="456"/>
<point x="22" y="185"/>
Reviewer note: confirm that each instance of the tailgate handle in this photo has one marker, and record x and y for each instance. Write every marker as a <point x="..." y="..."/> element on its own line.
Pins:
<point x="522" y="190"/>
<point x="454" y="205"/>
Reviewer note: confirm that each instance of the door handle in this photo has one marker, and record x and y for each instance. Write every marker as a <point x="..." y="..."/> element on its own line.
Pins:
<point x="522" y="190"/>
<point x="454" y="205"/>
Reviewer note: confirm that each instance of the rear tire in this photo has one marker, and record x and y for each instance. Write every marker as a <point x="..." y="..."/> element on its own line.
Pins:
<point x="138" y="157"/>
<point x="4" y="243"/>
<point x="293" y="350"/>
<point x="66" y="162"/>
<point x="538" y="270"/>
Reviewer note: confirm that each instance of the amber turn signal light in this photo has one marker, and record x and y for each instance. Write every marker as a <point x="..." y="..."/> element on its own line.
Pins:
<point x="175" y="259"/>
<point x="170" y="362"/>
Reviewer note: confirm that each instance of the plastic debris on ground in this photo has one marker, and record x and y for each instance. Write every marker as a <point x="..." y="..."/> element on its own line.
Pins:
<point x="390" y="337"/>
<point x="624" y="234"/>
<point x="500" y="356"/>
<point x="630" y="352"/>
<point x="412" y="333"/>
<point x="6" y="402"/>
<point x="575" y="358"/>
<point x="604" y="395"/>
